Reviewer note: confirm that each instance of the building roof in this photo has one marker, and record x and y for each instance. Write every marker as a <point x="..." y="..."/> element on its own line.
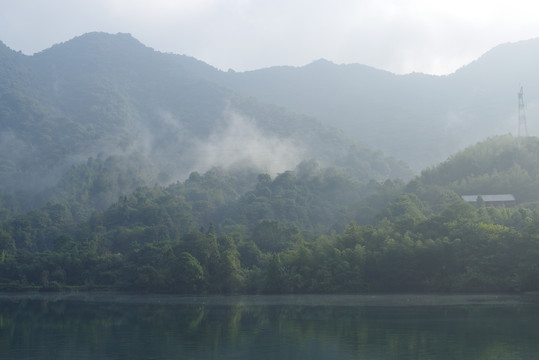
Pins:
<point x="489" y="198"/>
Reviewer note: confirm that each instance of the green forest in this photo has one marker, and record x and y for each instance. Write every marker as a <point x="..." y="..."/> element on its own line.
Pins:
<point x="123" y="168"/>
<point x="308" y="230"/>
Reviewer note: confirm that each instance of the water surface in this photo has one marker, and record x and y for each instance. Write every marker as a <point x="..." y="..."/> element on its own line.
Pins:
<point x="119" y="326"/>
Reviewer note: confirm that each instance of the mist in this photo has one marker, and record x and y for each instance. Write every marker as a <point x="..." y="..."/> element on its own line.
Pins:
<point x="234" y="141"/>
<point x="238" y="142"/>
<point x="134" y="154"/>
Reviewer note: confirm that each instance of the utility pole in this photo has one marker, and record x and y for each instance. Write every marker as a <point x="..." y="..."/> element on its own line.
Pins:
<point x="522" y="114"/>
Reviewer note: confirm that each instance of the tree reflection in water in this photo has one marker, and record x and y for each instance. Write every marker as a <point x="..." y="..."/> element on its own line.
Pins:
<point x="308" y="327"/>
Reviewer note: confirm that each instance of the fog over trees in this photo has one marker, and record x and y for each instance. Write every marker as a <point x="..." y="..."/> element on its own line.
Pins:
<point x="125" y="168"/>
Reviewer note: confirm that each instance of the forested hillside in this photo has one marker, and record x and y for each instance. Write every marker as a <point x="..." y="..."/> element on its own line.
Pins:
<point x="418" y="118"/>
<point x="123" y="168"/>
<point x="499" y="165"/>
<point x="311" y="230"/>
<point x="96" y="117"/>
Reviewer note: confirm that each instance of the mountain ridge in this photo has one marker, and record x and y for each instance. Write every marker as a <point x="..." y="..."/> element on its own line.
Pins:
<point x="416" y="117"/>
<point x="102" y="95"/>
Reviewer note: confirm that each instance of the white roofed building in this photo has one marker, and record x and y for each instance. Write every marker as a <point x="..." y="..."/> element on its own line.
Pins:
<point x="501" y="200"/>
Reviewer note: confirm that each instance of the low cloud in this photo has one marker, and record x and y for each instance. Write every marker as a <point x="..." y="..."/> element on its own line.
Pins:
<point x="239" y="142"/>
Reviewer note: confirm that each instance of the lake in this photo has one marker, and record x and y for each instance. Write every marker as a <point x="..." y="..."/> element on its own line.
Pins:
<point x="120" y="326"/>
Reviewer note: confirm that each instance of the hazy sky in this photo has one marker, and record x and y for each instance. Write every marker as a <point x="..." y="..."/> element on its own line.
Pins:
<point x="401" y="36"/>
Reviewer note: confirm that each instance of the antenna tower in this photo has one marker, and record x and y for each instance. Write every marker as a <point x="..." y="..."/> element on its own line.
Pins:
<point x="522" y="114"/>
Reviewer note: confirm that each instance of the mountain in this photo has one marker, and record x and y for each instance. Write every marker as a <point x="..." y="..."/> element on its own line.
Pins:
<point x="119" y="114"/>
<point x="418" y="118"/>
<point x="99" y="115"/>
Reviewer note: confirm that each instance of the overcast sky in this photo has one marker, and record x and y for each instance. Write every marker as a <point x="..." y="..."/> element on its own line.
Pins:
<point x="402" y="36"/>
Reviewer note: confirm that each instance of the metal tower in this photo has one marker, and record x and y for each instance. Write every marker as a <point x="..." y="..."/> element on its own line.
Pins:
<point x="522" y="113"/>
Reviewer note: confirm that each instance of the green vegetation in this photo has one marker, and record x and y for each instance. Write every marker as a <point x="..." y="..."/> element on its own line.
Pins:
<point x="501" y="165"/>
<point x="287" y="234"/>
<point x="97" y="131"/>
<point x="101" y="115"/>
<point x="421" y="119"/>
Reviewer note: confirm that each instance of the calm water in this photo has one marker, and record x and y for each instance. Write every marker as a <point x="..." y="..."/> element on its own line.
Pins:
<point x="111" y="326"/>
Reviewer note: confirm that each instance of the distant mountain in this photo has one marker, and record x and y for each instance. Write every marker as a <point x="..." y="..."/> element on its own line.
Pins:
<point x="102" y="114"/>
<point x="418" y="118"/>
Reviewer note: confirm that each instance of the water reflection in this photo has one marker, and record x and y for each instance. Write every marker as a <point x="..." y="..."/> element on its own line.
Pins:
<point x="104" y="326"/>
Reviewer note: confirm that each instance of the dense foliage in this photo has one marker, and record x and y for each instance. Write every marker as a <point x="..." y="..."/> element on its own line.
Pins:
<point x="96" y="133"/>
<point x="501" y="165"/>
<point x="287" y="234"/>
<point x="101" y="115"/>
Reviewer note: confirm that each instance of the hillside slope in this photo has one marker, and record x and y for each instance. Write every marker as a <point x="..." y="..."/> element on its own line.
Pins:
<point x="156" y="116"/>
<point x="418" y="118"/>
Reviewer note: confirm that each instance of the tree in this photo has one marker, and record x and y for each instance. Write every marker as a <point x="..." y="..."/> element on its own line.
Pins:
<point x="188" y="274"/>
<point x="274" y="276"/>
<point x="274" y="236"/>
